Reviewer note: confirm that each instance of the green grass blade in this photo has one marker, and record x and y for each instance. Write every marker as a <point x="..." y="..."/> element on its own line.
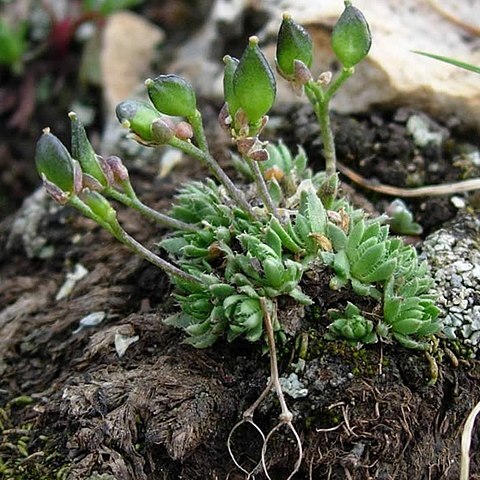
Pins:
<point x="451" y="61"/>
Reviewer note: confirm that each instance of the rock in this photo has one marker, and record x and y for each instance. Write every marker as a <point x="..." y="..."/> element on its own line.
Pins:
<point x="391" y="75"/>
<point x="454" y="270"/>
<point x="128" y="48"/>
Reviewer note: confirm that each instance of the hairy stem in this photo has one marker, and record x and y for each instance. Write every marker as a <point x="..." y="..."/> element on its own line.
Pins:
<point x="144" y="252"/>
<point x="198" y="131"/>
<point x="120" y="234"/>
<point x="216" y="169"/>
<point x="320" y="100"/>
<point x="262" y="189"/>
<point x="160" y="218"/>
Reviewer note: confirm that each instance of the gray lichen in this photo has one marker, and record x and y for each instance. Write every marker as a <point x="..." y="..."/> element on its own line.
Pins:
<point x="453" y="253"/>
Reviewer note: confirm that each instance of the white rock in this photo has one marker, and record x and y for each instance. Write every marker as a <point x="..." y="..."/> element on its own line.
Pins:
<point x="462" y="266"/>
<point x="392" y="74"/>
<point x="128" y="48"/>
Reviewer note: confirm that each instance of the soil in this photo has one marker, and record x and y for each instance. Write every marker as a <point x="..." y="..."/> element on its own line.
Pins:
<point x="71" y="407"/>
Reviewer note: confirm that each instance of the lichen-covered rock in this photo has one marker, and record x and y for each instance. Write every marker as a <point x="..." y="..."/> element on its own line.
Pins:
<point x="454" y="255"/>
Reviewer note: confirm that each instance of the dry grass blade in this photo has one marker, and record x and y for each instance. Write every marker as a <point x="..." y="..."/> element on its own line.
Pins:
<point x="429" y="191"/>
<point x="466" y="440"/>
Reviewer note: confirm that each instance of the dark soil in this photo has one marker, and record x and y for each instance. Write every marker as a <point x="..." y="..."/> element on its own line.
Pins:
<point x="164" y="410"/>
<point x="71" y="408"/>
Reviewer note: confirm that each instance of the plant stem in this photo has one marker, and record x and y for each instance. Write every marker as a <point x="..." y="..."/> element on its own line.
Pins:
<point x="466" y="441"/>
<point x="162" y="219"/>
<point x="262" y="189"/>
<point x="285" y="416"/>
<point x="198" y="131"/>
<point x="320" y="101"/>
<point x="120" y="234"/>
<point x="344" y="75"/>
<point x="216" y="169"/>
<point x="322" y="112"/>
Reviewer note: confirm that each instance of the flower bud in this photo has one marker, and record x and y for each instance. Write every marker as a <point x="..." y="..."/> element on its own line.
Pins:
<point x="183" y="131"/>
<point x="138" y="116"/>
<point x="172" y="95"/>
<point x="118" y="169"/>
<point x="54" y="163"/>
<point x="351" y="38"/>
<point x="253" y="83"/>
<point x="293" y="43"/>
<point x="162" y="133"/>
<point x="82" y="151"/>
<point x="100" y="206"/>
<point x="91" y="183"/>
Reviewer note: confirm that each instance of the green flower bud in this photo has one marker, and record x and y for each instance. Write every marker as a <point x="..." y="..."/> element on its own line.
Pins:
<point x="172" y="95"/>
<point x="293" y="43"/>
<point x="54" y="163"/>
<point x="253" y="83"/>
<point x="231" y="100"/>
<point x="138" y="116"/>
<point x="100" y="206"/>
<point x="351" y="38"/>
<point x="83" y="151"/>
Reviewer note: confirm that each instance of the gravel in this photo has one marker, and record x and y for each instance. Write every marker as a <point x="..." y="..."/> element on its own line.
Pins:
<point x="453" y="254"/>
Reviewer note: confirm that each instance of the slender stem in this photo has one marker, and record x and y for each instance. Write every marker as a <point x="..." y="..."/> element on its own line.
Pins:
<point x="216" y="169"/>
<point x="198" y="131"/>
<point x="148" y="212"/>
<point x="344" y="75"/>
<point x="323" y="116"/>
<point x="286" y="416"/>
<point x="120" y="234"/>
<point x="314" y="92"/>
<point x="248" y="413"/>
<point x="320" y="101"/>
<point x="128" y="189"/>
<point x="88" y="212"/>
<point x="262" y="189"/>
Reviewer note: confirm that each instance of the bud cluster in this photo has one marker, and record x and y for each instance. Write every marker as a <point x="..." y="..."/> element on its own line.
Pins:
<point x="81" y="177"/>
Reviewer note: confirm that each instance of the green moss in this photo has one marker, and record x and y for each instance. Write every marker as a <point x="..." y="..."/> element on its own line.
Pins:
<point x="363" y="362"/>
<point x="24" y="454"/>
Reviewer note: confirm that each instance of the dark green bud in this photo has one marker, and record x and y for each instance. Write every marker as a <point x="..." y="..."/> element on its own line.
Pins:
<point x="253" y="83"/>
<point x="172" y="95"/>
<point x="138" y="116"/>
<point x="162" y="132"/>
<point x="351" y="38"/>
<point x="54" y="163"/>
<point x="100" y="206"/>
<point x="293" y="43"/>
<point x="83" y="151"/>
<point x="231" y="65"/>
